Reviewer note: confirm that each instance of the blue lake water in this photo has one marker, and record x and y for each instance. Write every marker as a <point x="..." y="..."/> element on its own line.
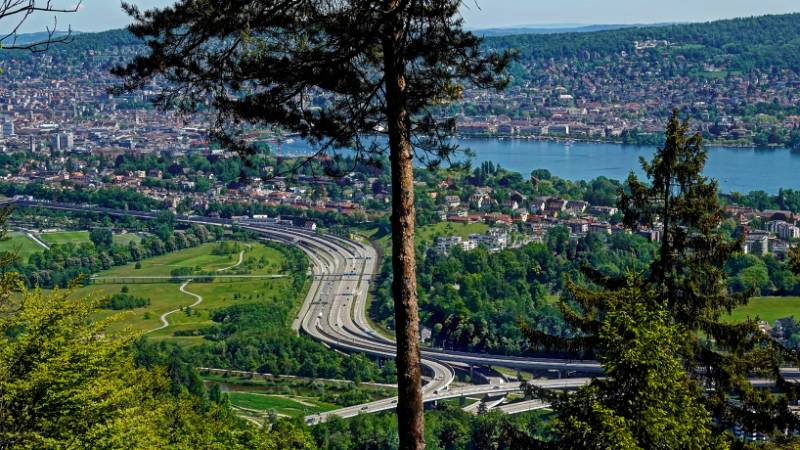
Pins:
<point x="736" y="169"/>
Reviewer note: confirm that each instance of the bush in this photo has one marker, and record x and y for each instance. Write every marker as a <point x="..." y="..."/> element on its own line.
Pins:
<point x="124" y="301"/>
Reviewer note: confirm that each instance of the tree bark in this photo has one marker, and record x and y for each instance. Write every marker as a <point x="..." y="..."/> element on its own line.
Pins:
<point x="410" y="416"/>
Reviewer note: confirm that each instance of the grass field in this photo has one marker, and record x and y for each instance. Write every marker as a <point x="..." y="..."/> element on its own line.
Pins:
<point x="20" y="243"/>
<point x="768" y="308"/>
<point x="202" y="259"/>
<point x="126" y="238"/>
<point x="165" y="296"/>
<point x="65" y="237"/>
<point x="296" y="396"/>
<point x="73" y="237"/>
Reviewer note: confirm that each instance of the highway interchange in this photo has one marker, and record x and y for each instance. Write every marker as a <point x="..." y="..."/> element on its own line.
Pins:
<point x="334" y="312"/>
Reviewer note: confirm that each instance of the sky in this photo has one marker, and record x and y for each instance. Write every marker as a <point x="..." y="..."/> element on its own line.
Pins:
<point x="99" y="15"/>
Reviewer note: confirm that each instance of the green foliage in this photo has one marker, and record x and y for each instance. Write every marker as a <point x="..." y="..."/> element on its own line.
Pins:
<point x="124" y="301"/>
<point x="227" y="248"/>
<point x="690" y="274"/>
<point x="645" y="400"/>
<point x="795" y="261"/>
<point x="101" y="237"/>
<point x="742" y="44"/>
<point x="473" y="300"/>
<point x="447" y="428"/>
<point x="646" y="329"/>
<point x="113" y="197"/>
<point x="257" y="337"/>
<point x="67" y="383"/>
<point x="62" y="264"/>
<point x="181" y="272"/>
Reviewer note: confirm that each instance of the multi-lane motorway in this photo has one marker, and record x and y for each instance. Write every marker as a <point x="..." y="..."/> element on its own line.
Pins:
<point x="334" y="310"/>
<point x="334" y="313"/>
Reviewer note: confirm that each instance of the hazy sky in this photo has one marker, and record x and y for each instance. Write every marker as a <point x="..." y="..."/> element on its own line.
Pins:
<point x="97" y="15"/>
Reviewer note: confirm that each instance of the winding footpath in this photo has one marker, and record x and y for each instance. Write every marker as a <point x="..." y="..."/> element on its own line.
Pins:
<point x="241" y="259"/>
<point x="164" y="321"/>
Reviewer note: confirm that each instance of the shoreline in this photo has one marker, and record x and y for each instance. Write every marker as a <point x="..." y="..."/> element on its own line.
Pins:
<point x="611" y="142"/>
<point x="571" y="140"/>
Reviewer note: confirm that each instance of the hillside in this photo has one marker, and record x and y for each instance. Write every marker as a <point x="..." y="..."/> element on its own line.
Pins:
<point x="737" y="80"/>
<point x="557" y="29"/>
<point x="743" y="44"/>
<point x="746" y="43"/>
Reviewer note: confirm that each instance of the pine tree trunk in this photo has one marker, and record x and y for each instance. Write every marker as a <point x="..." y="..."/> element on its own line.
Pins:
<point x="404" y="291"/>
<point x="410" y="416"/>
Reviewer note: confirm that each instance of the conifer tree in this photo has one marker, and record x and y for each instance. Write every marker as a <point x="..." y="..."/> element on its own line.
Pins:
<point x="336" y="72"/>
<point x="687" y="282"/>
<point x="689" y="274"/>
<point x="646" y="400"/>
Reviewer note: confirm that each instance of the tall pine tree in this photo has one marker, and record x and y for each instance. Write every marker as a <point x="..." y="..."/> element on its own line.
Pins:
<point x="689" y="274"/>
<point x="336" y="72"/>
<point x="688" y="281"/>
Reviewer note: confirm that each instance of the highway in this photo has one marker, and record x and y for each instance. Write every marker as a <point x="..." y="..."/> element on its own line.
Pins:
<point x="334" y="312"/>
<point x="334" y="309"/>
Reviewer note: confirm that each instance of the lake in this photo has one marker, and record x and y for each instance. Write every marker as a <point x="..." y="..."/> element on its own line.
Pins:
<point x="736" y="169"/>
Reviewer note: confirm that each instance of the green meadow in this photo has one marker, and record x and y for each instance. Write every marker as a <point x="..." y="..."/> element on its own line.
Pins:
<point x="428" y="233"/>
<point x="165" y="296"/>
<point x="280" y="404"/>
<point x="20" y="244"/>
<point x="769" y="309"/>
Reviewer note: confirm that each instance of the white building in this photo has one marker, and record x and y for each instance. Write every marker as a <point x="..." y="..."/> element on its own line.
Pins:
<point x="495" y="239"/>
<point x="63" y="141"/>
<point x="757" y="243"/>
<point x="444" y="244"/>
<point x="784" y="230"/>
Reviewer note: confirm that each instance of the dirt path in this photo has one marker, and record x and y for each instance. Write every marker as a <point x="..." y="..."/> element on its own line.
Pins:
<point x="164" y="321"/>
<point x="241" y="259"/>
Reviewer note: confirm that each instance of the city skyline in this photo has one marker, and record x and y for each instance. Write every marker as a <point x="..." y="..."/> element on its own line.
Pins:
<point x="101" y="15"/>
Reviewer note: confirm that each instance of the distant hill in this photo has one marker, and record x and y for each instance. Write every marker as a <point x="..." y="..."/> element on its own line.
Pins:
<point x="101" y="41"/>
<point x="80" y="44"/>
<point x="32" y="38"/>
<point x="741" y="44"/>
<point x="553" y="29"/>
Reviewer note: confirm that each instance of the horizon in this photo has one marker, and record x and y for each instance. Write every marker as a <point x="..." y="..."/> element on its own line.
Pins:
<point x="98" y="16"/>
